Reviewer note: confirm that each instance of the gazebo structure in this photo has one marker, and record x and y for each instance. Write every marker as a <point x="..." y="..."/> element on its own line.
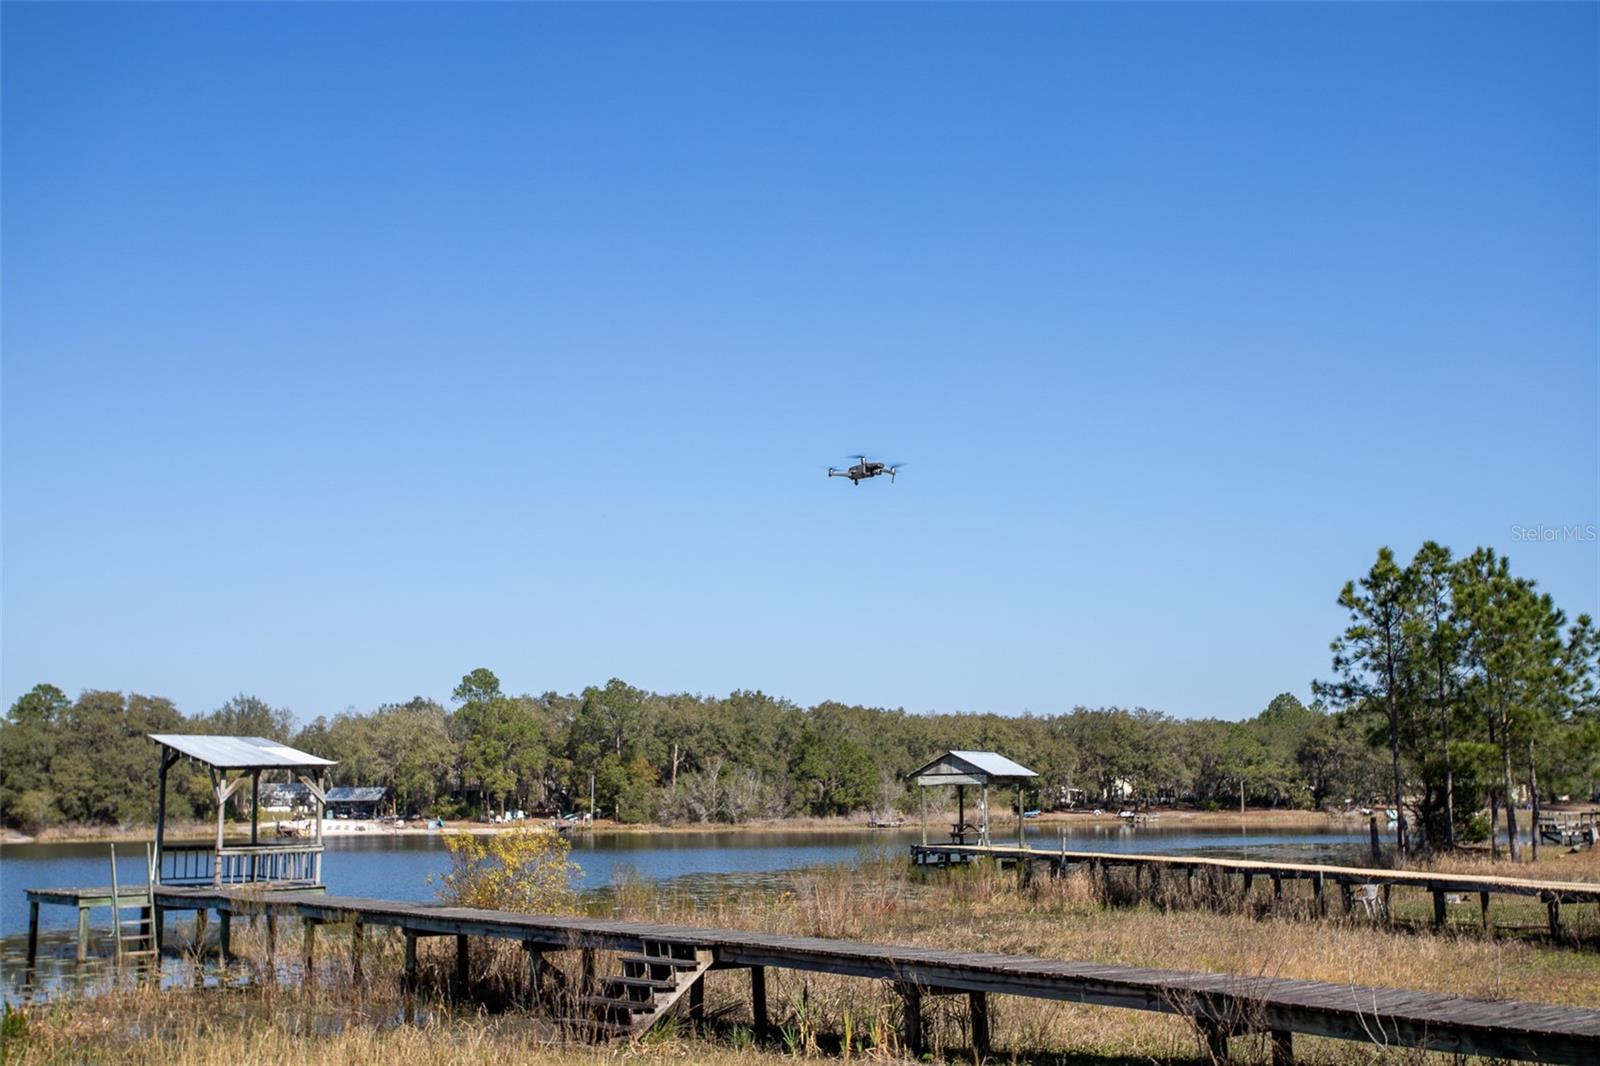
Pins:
<point x="963" y="768"/>
<point x="278" y="864"/>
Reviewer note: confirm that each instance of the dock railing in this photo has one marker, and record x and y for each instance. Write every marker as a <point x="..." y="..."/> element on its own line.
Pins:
<point x="206" y="864"/>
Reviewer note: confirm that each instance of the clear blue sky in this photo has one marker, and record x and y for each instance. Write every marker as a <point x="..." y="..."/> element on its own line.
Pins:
<point x="347" y="348"/>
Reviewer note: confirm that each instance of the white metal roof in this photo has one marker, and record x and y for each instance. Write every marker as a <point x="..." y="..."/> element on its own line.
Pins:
<point x="237" y="753"/>
<point x="970" y="764"/>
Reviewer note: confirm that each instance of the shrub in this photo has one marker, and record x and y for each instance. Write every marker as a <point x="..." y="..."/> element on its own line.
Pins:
<point x="524" y="869"/>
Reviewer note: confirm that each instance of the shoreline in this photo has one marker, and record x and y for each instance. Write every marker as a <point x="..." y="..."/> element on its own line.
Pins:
<point x="1255" y="818"/>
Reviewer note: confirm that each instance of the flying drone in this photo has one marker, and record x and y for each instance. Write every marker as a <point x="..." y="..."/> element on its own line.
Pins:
<point x="865" y="468"/>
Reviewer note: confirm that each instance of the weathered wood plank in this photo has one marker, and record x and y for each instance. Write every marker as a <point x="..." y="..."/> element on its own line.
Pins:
<point x="1350" y="1012"/>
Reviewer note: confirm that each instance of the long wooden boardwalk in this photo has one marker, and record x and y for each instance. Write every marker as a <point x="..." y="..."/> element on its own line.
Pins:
<point x="1222" y="1005"/>
<point x="1554" y="894"/>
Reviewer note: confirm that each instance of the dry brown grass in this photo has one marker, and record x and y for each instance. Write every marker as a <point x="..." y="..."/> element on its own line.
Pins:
<point x="336" y="1020"/>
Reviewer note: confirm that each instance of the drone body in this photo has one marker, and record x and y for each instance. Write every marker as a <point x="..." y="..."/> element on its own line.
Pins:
<point x="865" y="468"/>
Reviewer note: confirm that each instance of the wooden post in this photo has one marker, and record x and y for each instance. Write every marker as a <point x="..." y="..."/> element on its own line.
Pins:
<point x="1282" y="1047"/>
<point x="33" y="936"/>
<point x="1438" y="908"/>
<point x="922" y="799"/>
<point x="410" y="979"/>
<point x="272" y="936"/>
<point x="308" y="928"/>
<point x="1321" y="896"/>
<point x="1483" y="906"/>
<point x="978" y="1011"/>
<point x="1346" y="897"/>
<point x="199" y="935"/>
<point x="983" y="826"/>
<point x="83" y="933"/>
<point x="697" y="1002"/>
<point x="1554" y="906"/>
<point x="758" y="1002"/>
<point x="225" y="935"/>
<point x="217" y="781"/>
<point x="357" y="934"/>
<point x="462" y="960"/>
<point x="911" y="995"/>
<point x="534" y="958"/>
<point x="586" y="969"/>
<point x="1277" y="889"/>
<point x="161" y="810"/>
<point x="1377" y="848"/>
<point x="1388" y="911"/>
<point x="1216" y="1038"/>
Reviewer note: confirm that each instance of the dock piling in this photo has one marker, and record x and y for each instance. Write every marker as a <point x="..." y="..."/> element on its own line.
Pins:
<point x="462" y="961"/>
<point x="357" y="935"/>
<point x="911" y="998"/>
<point x="1282" y="1047"/>
<point x="410" y="978"/>
<point x="978" y="1012"/>
<point x="758" y="1003"/>
<point x="83" y="934"/>
<point x="308" y="932"/>
<point x="33" y="937"/>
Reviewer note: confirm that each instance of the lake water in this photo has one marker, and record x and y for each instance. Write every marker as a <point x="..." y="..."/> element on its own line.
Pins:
<point x="400" y="867"/>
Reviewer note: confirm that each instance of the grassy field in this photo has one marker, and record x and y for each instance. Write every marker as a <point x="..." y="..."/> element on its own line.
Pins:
<point x="335" y="1019"/>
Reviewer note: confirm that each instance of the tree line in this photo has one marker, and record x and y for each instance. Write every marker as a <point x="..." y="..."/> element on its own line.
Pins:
<point x="1480" y="690"/>
<point x="1449" y="675"/>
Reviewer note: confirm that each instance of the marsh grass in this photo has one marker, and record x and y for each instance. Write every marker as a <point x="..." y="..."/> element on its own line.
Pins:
<point x="275" y="1014"/>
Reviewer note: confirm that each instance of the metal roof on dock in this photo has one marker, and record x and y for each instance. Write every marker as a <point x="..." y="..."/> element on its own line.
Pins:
<point x="969" y="768"/>
<point x="238" y="753"/>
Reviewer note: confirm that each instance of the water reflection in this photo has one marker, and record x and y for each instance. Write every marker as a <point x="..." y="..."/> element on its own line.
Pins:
<point x="698" y="866"/>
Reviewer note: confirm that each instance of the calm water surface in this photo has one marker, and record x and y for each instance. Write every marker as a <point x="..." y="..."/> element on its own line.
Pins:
<point x="406" y="867"/>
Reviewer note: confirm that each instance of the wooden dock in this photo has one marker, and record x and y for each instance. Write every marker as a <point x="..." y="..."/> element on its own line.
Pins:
<point x="1221" y="1005"/>
<point x="87" y="900"/>
<point x="1346" y="879"/>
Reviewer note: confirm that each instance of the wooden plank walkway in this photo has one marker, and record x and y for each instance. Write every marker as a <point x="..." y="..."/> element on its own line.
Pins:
<point x="1567" y="891"/>
<point x="1554" y="894"/>
<point x="1221" y="1004"/>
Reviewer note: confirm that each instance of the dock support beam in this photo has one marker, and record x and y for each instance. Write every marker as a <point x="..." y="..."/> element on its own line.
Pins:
<point x="225" y="935"/>
<point x="308" y="932"/>
<point x="1282" y="1047"/>
<point x="911" y="996"/>
<point x="33" y="936"/>
<point x="1438" y="909"/>
<point x="697" y="1002"/>
<point x="978" y="1012"/>
<point x="758" y="1003"/>
<point x="1483" y="906"/>
<point x="462" y="960"/>
<point x="357" y="935"/>
<point x="1554" y="906"/>
<point x="1216" y="1038"/>
<point x="410" y="978"/>
<point x="83" y="933"/>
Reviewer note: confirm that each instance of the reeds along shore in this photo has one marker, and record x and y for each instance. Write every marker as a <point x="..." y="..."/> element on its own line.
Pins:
<point x="280" y="1017"/>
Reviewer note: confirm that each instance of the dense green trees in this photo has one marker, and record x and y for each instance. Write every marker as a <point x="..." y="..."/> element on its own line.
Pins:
<point x="1456" y="684"/>
<point x="1476" y="684"/>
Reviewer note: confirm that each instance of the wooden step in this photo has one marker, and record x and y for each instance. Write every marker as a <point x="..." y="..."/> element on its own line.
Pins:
<point x="652" y="964"/>
<point x="640" y="988"/>
<point x="608" y="1004"/>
